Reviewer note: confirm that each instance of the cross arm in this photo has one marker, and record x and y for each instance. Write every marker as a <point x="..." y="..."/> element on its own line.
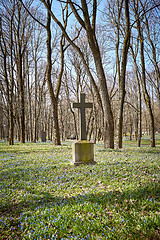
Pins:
<point x="89" y="105"/>
<point x="76" y="105"/>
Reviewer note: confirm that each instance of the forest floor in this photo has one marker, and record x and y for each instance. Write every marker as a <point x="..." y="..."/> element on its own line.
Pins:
<point x="43" y="197"/>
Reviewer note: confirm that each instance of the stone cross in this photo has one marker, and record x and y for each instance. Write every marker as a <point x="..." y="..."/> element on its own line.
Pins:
<point x="82" y="106"/>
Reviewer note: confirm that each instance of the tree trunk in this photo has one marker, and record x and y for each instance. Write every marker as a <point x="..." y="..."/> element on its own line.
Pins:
<point x="139" y="106"/>
<point x="139" y="134"/>
<point x="122" y="78"/>
<point x="155" y="61"/>
<point x="35" y="101"/>
<point x="56" y="124"/>
<point x="50" y="87"/>
<point x="108" y="114"/>
<point x="7" y="88"/>
<point x="90" y="30"/>
<point x="11" y="117"/>
<point x="144" y="88"/>
<point x="21" y="89"/>
<point x="30" y="104"/>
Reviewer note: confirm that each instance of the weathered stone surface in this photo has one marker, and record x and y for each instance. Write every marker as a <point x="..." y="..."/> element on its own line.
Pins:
<point x="82" y="105"/>
<point x="43" y="136"/>
<point x="83" y="152"/>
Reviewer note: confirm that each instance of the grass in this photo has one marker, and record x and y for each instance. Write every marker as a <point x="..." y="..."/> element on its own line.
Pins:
<point x="43" y="197"/>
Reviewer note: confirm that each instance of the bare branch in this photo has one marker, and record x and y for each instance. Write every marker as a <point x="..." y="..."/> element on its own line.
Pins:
<point x="68" y="1"/>
<point x="130" y="104"/>
<point x="32" y="15"/>
<point x="73" y="39"/>
<point x="74" y="10"/>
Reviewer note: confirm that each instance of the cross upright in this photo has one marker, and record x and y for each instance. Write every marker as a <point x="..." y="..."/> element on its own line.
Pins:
<point x="82" y="106"/>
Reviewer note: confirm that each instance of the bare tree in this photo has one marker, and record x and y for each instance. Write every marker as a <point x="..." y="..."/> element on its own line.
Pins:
<point x="134" y="54"/>
<point x="53" y="94"/>
<point x="90" y="29"/>
<point x="6" y="44"/>
<point x="126" y="43"/>
<point x="22" y="31"/>
<point x="143" y="78"/>
<point x="37" y="47"/>
<point x="152" y="35"/>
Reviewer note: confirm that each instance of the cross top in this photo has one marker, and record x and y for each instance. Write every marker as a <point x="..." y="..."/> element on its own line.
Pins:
<point x="82" y="106"/>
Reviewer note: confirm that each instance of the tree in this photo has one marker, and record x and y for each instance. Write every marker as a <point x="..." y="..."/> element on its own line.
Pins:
<point x="37" y="46"/>
<point x="152" y="35"/>
<point x="143" y="78"/>
<point x="90" y="29"/>
<point x="6" y="43"/>
<point x="11" y="119"/>
<point x="22" y="32"/>
<point x="122" y="74"/>
<point x="134" y="54"/>
<point x="121" y="65"/>
<point x="53" y="95"/>
<point x="30" y="81"/>
<point x="4" y="50"/>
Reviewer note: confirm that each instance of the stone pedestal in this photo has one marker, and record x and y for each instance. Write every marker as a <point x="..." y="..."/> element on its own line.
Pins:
<point x="43" y="136"/>
<point x="83" y="152"/>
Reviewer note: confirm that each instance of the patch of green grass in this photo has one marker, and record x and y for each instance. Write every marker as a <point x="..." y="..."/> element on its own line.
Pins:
<point x="145" y="141"/>
<point x="43" y="197"/>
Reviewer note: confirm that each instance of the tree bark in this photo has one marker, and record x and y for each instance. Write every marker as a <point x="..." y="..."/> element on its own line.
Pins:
<point x="35" y="101"/>
<point x="21" y="89"/>
<point x="108" y="114"/>
<point x="155" y="62"/>
<point x="30" y="103"/>
<point x="69" y="103"/>
<point x="143" y="81"/>
<point x="50" y="87"/>
<point x="139" y="129"/>
<point x="9" y="85"/>
<point x="122" y="91"/>
<point x="11" y="118"/>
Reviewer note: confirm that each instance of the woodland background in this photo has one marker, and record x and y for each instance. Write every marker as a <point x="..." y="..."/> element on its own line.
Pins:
<point x="50" y="51"/>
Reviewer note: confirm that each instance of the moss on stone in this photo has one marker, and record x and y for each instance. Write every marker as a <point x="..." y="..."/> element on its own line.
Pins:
<point x="83" y="152"/>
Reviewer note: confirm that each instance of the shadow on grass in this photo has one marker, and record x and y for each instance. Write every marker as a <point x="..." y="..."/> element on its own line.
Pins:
<point x="123" y="201"/>
<point x="148" y="192"/>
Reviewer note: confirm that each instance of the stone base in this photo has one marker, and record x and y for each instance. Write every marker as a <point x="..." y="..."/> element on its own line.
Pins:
<point x="83" y="153"/>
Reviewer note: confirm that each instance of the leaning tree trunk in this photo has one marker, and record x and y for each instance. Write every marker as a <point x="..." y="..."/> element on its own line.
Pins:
<point x="108" y="114"/>
<point x="92" y="40"/>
